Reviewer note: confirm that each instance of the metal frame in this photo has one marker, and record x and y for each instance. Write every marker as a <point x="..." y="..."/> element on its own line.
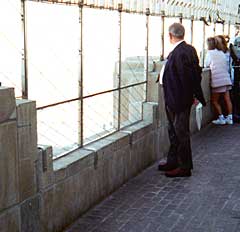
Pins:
<point x="162" y="35"/>
<point x="119" y="88"/>
<point x="80" y="82"/>
<point x="147" y="49"/>
<point x="119" y="66"/>
<point x="192" y="22"/>
<point x="203" y="45"/>
<point x="24" y="53"/>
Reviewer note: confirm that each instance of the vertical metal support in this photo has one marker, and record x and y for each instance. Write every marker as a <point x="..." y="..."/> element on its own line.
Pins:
<point x="162" y="34"/>
<point x="214" y="28"/>
<point x="80" y="79"/>
<point x="24" y="52"/>
<point x="180" y="18"/>
<point x="120" y="64"/>
<point x="229" y="24"/>
<point x="147" y="46"/>
<point x="203" y="47"/>
<point x="223" y="26"/>
<point x="192" y="21"/>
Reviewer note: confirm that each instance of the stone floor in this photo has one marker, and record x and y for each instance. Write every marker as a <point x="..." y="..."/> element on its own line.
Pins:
<point x="209" y="201"/>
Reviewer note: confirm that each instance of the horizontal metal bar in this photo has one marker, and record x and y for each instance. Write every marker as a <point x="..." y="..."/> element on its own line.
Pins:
<point x="91" y="95"/>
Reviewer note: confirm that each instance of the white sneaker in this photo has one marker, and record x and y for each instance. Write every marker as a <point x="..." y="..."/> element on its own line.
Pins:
<point x="220" y="121"/>
<point x="229" y="120"/>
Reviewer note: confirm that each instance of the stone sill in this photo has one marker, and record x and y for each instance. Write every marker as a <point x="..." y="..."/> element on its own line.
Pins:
<point x="91" y="154"/>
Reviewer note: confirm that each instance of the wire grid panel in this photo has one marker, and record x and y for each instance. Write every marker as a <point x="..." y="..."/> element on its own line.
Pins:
<point x="187" y="25"/>
<point x="100" y="116"/>
<point x="154" y="44"/>
<point x="167" y="45"/>
<point x="131" y="104"/>
<point x="53" y="52"/>
<point x="59" y="127"/>
<point x="101" y="36"/>
<point x="11" y="45"/>
<point x="133" y="49"/>
<point x="198" y="39"/>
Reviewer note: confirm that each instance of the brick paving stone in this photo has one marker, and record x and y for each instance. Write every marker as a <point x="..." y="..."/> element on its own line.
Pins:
<point x="209" y="201"/>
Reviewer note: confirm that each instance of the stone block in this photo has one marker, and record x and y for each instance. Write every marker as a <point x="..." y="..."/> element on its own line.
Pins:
<point x="151" y="113"/>
<point x="104" y="148"/>
<point x="138" y="130"/>
<point x="60" y="174"/>
<point x="30" y="215"/>
<point x="26" y="112"/>
<point x="46" y="209"/>
<point x="163" y="141"/>
<point x="120" y="139"/>
<point x="207" y="114"/>
<point x="10" y="220"/>
<point x="64" y="203"/>
<point x="125" y="152"/>
<point x="206" y="76"/>
<point x="27" y="179"/>
<point x="7" y="103"/>
<point x="27" y="129"/>
<point x="162" y="113"/>
<point x="9" y="193"/>
<point x="152" y="87"/>
<point x="44" y="167"/>
<point x="79" y="161"/>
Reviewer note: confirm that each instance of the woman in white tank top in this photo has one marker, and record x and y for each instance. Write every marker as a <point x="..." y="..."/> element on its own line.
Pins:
<point x="220" y="81"/>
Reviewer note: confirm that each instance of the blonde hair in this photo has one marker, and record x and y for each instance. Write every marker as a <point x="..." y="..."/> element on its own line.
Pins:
<point x="221" y="43"/>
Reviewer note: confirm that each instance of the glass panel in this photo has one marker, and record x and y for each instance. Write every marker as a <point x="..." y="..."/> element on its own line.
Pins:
<point x="131" y="104"/>
<point x="100" y="116"/>
<point x="134" y="36"/>
<point x="226" y="26"/>
<point x="219" y="29"/>
<point x="100" y="50"/>
<point x="154" y="45"/>
<point x="53" y="52"/>
<point x="187" y="25"/>
<point x="11" y="45"/>
<point x="232" y="32"/>
<point x="209" y="31"/>
<point x="58" y="127"/>
<point x="198" y="39"/>
<point x="167" y="44"/>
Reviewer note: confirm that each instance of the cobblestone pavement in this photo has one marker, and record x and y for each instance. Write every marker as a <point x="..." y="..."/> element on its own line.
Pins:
<point x="208" y="201"/>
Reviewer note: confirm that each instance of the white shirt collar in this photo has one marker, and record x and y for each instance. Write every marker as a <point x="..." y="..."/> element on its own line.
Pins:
<point x="176" y="44"/>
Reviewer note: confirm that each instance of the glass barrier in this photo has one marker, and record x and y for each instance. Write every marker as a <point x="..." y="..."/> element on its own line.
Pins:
<point x="101" y="40"/>
<point x="53" y="52"/>
<point x="11" y="45"/>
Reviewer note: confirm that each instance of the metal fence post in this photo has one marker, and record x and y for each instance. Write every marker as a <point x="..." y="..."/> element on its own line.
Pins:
<point x="80" y="79"/>
<point x="120" y="7"/>
<point x="162" y="34"/>
<point x="24" y="75"/>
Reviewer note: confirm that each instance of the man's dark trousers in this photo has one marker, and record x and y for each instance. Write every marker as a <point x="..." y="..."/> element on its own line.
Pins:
<point x="179" y="135"/>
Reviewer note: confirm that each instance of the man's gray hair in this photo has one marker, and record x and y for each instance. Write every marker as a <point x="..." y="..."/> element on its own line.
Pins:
<point x="177" y="30"/>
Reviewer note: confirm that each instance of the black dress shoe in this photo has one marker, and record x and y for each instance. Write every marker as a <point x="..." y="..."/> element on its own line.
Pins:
<point x="166" y="166"/>
<point x="178" y="172"/>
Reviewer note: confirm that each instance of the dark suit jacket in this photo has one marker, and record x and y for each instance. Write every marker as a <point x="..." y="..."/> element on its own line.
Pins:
<point x="182" y="78"/>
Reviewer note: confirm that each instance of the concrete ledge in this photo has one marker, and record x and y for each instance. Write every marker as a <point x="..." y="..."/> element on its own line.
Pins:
<point x="7" y="103"/>
<point x="10" y="220"/>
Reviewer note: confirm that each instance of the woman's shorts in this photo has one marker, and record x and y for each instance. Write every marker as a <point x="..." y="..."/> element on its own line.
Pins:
<point x="222" y="89"/>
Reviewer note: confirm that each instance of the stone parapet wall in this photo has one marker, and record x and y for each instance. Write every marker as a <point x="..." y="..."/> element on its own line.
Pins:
<point x="42" y="194"/>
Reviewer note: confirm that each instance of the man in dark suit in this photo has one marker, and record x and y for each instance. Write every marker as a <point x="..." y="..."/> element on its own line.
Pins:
<point x="182" y="84"/>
